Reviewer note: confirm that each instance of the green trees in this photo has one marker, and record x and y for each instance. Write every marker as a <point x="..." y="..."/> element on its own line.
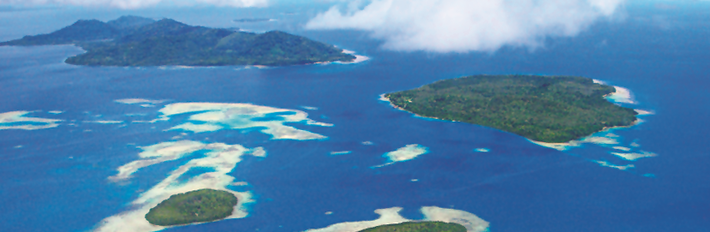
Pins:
<point x="541" y="108"/>
<point x="197" y="206"/>
<point x="136" y="41"/>
<point x="418" y="227"/>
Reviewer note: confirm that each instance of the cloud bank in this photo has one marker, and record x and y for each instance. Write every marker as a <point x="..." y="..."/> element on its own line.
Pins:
<point x="466" y="25"/>
<point x="135" y="4"/>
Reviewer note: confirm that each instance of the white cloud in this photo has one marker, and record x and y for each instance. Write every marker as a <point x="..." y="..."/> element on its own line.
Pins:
<point x="466" y="25"/>
<point x="134" y="4"/>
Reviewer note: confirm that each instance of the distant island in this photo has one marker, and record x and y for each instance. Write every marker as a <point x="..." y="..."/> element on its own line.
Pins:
<point x="203" y="205"/>
<point x="552" y="109"/>
<point x="252" y="20"/>
<point x="418" y="227"/>
<point x="137" y="41"/>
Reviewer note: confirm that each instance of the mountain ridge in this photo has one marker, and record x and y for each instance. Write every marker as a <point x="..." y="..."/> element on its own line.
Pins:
<point x="137" y="41"/>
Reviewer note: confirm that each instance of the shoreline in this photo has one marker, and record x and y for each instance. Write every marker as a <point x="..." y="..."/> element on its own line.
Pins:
<point x="385" y="99"/>
<point x="578" y="142"/>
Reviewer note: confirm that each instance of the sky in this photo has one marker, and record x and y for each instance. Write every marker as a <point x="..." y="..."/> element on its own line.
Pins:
<point x="438" y="26"/>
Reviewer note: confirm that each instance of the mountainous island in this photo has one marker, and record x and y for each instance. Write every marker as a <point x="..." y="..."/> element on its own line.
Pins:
<point x="418" y="227"/>
<point x="551" y="109"/>
<point x="202" y="205"/>
<point x="137" y="41"/>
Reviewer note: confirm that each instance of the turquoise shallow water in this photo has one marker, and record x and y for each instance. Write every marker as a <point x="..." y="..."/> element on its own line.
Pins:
<point x="57" y="179"/>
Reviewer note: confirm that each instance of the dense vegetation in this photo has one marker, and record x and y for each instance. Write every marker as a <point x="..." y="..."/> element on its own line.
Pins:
<point x="418" y="227"/>
<point x="136" y="41"/>
<point x="197" y="206"/>
<point x="541" y="108"/>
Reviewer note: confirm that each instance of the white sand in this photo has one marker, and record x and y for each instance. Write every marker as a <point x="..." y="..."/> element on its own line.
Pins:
<point x="634" y="155"/>
<point x="622" y="148"/>
<point x="607" y="164"/>
<point x="392" y="216"/>
<point x="196" y="128"/>
<point x="13" y="120"/>
<point x="309" y="108"/>
<point x="104" y="122"/>
<point x="387" y="216"/>
<point x="131" y="101"/>
<point x="466" y="219"/>
<point x="340" y="152"/>
<point x="611" y="140"/>
<point x="216" y="116"/>
<point x="383" y="98"/>
<point x="223" y="158"/>
<point x="156" y="154"/>
<point x="622" y="95"/>
<point x="643" y="112"/>
<point x="482" y="150"/>
<point x="55" y="112"/>
<point x="405" y="153"/>
<point x="558" y="146"/>
<point x="358" y="59"/>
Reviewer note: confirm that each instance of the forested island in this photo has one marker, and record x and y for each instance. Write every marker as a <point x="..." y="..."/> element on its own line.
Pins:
<point x="418" y="227"/>
<point x="196" y="206"/>
<point x="137" y="41"/>
<point x="549" y="109"/>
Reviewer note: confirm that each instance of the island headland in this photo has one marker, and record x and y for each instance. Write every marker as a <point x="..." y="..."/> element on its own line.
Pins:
<point x="137" y="41"/>
<point x="551" y="109"/>
<point x="202" y="205"/>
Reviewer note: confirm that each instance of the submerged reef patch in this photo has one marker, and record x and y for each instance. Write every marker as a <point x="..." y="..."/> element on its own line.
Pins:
<point x="18" y="120"/>
<point x="405" y="153"/>
<point x="209" y="117"/>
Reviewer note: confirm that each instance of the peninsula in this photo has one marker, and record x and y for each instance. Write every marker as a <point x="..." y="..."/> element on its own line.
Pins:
<point x="550" y="109"/>
<point x="197" y="206"/>
<point x="418" y="227"/>
<point x="137" y="41"/>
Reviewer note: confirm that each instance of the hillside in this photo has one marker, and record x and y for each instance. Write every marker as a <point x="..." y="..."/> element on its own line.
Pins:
<point x="136" y="41"/>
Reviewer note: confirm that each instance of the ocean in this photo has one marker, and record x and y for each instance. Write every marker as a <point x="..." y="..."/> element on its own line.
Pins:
<point x="57" y="179"/>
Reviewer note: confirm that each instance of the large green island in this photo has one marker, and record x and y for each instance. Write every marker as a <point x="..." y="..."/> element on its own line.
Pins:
<point x="202" y="205"/>
<point x="418" y="227"/>
<point x="137" y="41"/>
<point x="552" y="109"/>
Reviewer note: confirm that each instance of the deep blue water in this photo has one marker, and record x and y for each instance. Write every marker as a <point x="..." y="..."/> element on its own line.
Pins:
<point x="57" y="179"/>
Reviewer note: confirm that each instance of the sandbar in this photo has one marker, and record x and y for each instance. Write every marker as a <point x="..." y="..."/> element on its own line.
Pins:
<point x="405" y="153"/>
<point x="18" y="120"/>
<point x="217" y="116"/>
<point x="632" y="156"/>
<point x="222" y="158"/>
<point x="620" y="167"/>
<point x="340" y="152"/>
<point x="482" y="150"/>
<point x="104" y="122"/>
